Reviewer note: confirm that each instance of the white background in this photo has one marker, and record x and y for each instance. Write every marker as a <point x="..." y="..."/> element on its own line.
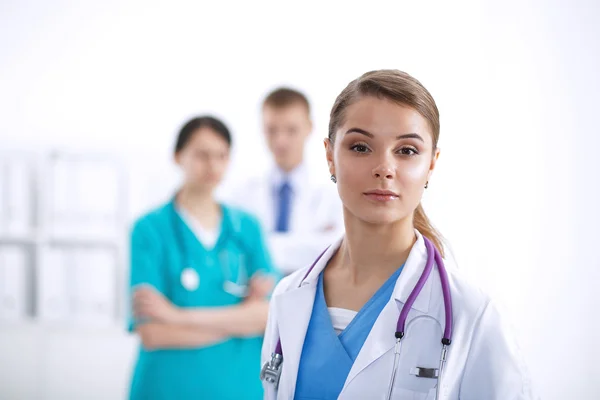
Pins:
<point x="517" y="187"/>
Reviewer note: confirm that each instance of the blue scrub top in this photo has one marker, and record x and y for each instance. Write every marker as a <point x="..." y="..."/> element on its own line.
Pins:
<point x="326" y="357"/>
<point x="229" y="369"/>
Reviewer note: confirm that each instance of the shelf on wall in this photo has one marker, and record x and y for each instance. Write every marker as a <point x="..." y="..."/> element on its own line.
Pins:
<point x="76" y="204"/>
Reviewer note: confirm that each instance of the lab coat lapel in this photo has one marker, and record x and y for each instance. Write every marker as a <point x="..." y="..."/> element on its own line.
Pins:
<point x="381" y="339"/>
<point x="296" y="305"/>
<point x="295" y="308"/>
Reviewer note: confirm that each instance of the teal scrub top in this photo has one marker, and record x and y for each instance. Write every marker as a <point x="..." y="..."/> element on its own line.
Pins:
<point x="226" y="370"/>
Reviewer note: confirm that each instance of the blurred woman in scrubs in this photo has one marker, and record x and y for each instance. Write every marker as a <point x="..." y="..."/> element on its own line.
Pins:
<point x="200" y="277"/>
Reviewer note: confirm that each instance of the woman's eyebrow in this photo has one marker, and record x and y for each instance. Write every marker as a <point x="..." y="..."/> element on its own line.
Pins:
<point x="402" y="136"/>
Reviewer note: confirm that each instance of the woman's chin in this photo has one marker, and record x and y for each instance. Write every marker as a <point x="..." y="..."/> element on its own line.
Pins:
<point x="379" y="217"/>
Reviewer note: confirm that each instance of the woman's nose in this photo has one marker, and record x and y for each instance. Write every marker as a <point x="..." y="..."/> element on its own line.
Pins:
<point x="384" y="169"/>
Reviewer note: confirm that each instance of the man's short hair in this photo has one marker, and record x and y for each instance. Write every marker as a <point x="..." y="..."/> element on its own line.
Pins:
<point x="284" y="97"/>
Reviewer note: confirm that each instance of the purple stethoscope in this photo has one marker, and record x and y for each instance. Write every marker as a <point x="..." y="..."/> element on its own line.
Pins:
<point x="271" y="371"/>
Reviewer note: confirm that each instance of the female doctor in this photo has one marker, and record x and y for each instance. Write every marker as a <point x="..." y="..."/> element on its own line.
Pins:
<point x="378" y="315"/>
<point x="200" y="276"/>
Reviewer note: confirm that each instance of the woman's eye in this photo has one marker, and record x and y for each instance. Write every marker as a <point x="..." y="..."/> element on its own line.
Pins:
<point x="202" y="156"/>
<point x="359" y="148"/>
<point x="408" y="151"/>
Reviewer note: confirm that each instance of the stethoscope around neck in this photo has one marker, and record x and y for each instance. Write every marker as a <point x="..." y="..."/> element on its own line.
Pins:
<point x="271" y="371"/>
<point x="189" y="276"/>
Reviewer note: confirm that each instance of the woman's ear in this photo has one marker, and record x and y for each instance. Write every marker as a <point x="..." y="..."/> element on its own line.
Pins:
<point x="434" y="158"/>
<point x="329" y="155"/>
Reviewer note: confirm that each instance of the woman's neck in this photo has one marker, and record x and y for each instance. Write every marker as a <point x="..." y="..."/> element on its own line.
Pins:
<point x="375" y="250"/>
<point x="200" y="205"/>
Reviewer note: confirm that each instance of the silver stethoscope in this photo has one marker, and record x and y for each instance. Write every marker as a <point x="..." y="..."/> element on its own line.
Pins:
<point x="189" y="276"/>
<point x="271" y="371"/>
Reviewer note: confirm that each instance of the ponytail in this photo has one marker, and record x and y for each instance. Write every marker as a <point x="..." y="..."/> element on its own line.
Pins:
<point x="423" y="225"/>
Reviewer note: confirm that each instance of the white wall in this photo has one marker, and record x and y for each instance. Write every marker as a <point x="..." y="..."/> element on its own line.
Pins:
<point x="516" y="83"/>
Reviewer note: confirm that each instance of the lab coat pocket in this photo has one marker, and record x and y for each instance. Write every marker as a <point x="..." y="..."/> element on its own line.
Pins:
<point x="419" y="360"/>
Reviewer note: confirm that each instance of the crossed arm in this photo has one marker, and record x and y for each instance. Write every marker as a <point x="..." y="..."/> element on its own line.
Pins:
<point x="172" y="327"/>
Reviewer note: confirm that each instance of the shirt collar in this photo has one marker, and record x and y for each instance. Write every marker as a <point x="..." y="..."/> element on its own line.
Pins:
<point x="295" y="177"/>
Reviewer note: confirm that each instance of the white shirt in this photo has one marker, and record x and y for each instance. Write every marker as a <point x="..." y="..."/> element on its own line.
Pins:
<point x="208" y="237"/>
<point x="483" y="361"/>
<point x="340" y="318"/>
<point x="316" y="217"/>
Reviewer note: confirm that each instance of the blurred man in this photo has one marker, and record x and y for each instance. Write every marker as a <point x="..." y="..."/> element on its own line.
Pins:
<point x="301" y="213"/>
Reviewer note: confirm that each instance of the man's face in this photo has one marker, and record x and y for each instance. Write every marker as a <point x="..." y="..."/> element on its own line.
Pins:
<point x="286" y="130"/>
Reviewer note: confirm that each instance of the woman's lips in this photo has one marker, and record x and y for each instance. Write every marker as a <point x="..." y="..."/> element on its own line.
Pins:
<point x="381" y="195"/>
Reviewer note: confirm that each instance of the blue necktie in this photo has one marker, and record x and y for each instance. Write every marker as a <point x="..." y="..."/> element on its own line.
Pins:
<point x="284" y="195"/>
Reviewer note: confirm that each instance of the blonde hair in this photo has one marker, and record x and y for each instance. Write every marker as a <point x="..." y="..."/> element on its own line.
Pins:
<point x="401" y="88"/>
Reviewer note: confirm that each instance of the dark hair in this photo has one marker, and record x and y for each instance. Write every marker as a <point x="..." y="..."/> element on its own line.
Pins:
<point x="401" y="88"/>
<point x="205" y="121"/>
<point x="283" y="97"/>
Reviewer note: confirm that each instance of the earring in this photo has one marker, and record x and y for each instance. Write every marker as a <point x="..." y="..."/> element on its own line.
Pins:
<point x="426" y="184"/>
<point x="333" y="179"/>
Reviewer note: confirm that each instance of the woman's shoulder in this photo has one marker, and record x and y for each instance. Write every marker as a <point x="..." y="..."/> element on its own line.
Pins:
<point x="469" y="299"/>
<point x="490" y="336"/>
<point x="240" y="218"/>
<point x="153" y="220"/>
<point x="290" y="282"/>
<point x="238" y="212"/>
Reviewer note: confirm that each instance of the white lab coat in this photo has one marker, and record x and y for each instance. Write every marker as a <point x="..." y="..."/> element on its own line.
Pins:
<point x="316" y="217"/>
<point x="484" y="363"/>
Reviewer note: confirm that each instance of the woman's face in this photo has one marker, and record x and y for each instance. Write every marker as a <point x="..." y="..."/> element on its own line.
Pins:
<point x="382" y="157"/>
<point x="204" y="159"/>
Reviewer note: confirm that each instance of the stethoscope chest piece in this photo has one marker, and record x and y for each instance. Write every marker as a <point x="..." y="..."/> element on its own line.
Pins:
<point x="271" y="371"/>
<point x="190" y="279"/>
